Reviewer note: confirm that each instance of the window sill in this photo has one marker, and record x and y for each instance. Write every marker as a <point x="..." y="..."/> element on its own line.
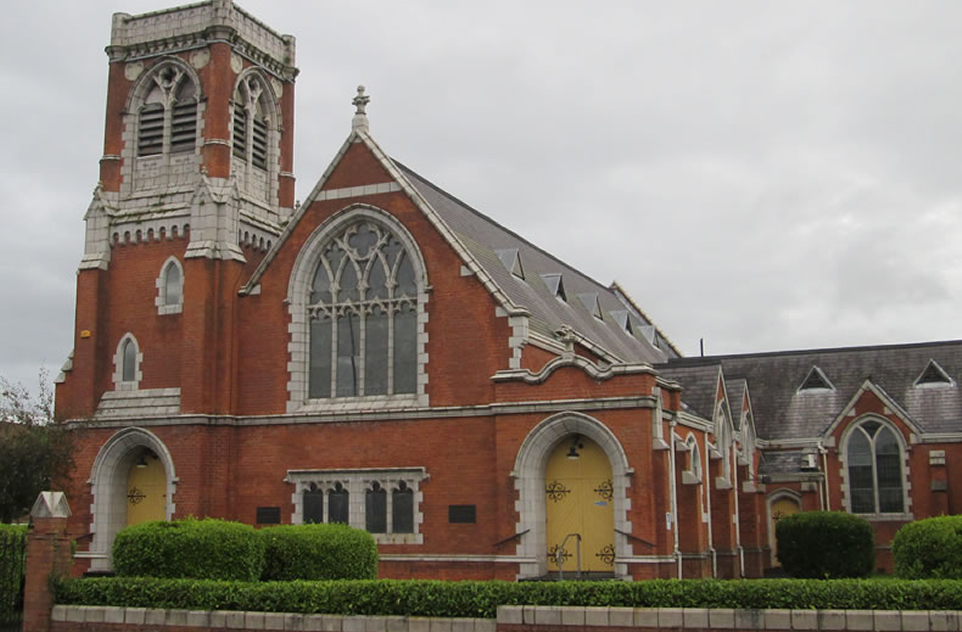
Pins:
<point x="398" y="538"/>
<point x="164" y="310"/>
<point x="374" y="402"/>
<point x="887" y="517"/>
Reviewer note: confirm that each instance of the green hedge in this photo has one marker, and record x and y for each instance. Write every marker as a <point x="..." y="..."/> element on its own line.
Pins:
<point x="197" y="549"/>
<point x="825" y="545"/>
<point x="319" y="552"/>
<point x="13" y="545"/>
<point x="930" y="548"/>
<point x="480" y="599"/>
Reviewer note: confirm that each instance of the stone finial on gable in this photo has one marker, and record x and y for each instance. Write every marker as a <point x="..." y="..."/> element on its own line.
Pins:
<point x="50" y="505"/>
<point x="359" y="123"/>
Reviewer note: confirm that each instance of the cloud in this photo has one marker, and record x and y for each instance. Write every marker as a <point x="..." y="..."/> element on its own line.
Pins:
<point x="764" y="176"/>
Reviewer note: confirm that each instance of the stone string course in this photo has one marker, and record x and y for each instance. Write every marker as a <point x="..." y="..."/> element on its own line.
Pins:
<point x="513" y="619"/>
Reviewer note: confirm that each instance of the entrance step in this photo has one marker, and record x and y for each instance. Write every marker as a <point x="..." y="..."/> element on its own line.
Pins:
<point x="573" y="576"/>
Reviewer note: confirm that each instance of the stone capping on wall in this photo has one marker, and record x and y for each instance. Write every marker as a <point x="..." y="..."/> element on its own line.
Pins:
<point x="534" y="618"/>
<point x="121" y="619"/>
<point x="515" y="619"/>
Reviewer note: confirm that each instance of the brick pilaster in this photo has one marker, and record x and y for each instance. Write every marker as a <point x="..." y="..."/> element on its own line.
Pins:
<point x="48" y="553"/>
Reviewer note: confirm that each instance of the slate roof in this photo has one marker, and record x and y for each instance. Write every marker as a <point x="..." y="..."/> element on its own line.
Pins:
<point x="699" y="383"/>
<point x="783" y="412"/>
<point x="735" y="389"/>
<point x="491" y="244"/>
<point x="780" y="462"/>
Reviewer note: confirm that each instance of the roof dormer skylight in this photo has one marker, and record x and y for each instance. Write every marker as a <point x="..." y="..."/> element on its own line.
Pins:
<point x="556" y="285"/>
<point x="511" y="258"/>
<point x="590" y="301"/>
<point x="623" y="319"/>
<point x="934" y="375"/>
<point x="816" y="381"/>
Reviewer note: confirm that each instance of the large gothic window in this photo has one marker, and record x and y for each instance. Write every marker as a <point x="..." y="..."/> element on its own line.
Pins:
<point x="874" y="458"/>
<point x="168" y="118"/>
<point x="362" y="312"/>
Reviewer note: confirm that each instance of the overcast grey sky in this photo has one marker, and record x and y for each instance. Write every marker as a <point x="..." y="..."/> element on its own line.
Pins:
<point x="763" y="175"/>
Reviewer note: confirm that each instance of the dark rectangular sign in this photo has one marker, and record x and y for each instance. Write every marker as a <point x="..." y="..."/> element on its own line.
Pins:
<point x="268" y="515"/>
<point x="462" y="514"/>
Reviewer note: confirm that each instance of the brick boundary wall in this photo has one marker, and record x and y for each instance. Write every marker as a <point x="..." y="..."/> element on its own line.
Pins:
<point x="114" y="619"/>
<point x="509" y="619"/>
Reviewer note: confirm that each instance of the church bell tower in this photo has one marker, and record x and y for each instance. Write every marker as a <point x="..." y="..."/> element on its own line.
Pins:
<point x="196" y="184"/>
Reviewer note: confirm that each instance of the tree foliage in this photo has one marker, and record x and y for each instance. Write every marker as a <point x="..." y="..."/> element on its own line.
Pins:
<point x="36" y="450"/>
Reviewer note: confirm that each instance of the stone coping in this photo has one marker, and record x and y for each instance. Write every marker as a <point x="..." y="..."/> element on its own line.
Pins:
<point x="532" y="617"/>
<point x="136" y="618"/>
<point x="524" y="618"/>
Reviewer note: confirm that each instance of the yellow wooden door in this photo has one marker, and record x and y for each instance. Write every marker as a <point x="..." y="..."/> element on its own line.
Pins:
<point x="579" y="500"/>
<point x="780" y="508"/>
<point x="146" y="491"/>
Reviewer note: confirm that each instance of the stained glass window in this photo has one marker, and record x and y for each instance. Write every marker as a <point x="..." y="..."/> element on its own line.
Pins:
<point x="338" y="504"/>
<point x="375" y="505"/>
<point x="402" y="499"/>
<point x="363" y="316"/>
<point x="875" y="478"/>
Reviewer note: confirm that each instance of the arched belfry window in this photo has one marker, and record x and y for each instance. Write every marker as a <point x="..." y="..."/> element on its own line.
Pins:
<point x="873" y="456"/>
<point x="362" y="311"/>
<point x="253" y="110"/>
<point x="168" y="117"/>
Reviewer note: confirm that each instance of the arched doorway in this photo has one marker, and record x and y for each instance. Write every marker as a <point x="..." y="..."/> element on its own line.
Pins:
<point x="530" y="479"/>
<point x="132" y="480"/>
<point x="579" y="507"/>
<point x="146" y="489"/>
<point x="779" y="506"/>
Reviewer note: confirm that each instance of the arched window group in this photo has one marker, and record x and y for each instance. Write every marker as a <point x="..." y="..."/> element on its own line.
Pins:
<point x="362" y="311"/>
<point x="389" y="508"/>
<point x="168" y="117"/>
<point x="875" y="478"/>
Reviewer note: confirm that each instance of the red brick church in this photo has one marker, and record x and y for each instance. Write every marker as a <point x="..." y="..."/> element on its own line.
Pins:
<point x="386" y="356"/>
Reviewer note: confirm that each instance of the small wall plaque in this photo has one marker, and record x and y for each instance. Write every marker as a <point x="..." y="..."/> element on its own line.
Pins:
<point x="462" y="514"/>
<point x="268" y="515"/>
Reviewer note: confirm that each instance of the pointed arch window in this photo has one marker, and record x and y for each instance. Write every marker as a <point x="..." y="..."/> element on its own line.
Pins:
<point x="168" y="118"/>
<point x="251" y="134"/>
<point x="375" y="512"/>
<point x="170" y="287"/>
<point x="363" y="309"/>
<point x="127" y="363"/>
<point x="875" y="469"/>
<point x="691" y="473"/>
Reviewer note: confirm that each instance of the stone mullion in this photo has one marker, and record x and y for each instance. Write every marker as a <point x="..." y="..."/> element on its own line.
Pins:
<point x="362" y="349"/>
<point x="334" y="344"/>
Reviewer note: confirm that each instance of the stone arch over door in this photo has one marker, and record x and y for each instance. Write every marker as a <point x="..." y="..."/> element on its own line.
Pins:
<point x="108" y="486"/>
<point x="529" y="480"/>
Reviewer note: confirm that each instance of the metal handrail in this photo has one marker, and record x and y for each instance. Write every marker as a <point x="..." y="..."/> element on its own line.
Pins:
<point x="635" y="538"/>
<point x="559" y="554"/>
<point x="516" y="536"/>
